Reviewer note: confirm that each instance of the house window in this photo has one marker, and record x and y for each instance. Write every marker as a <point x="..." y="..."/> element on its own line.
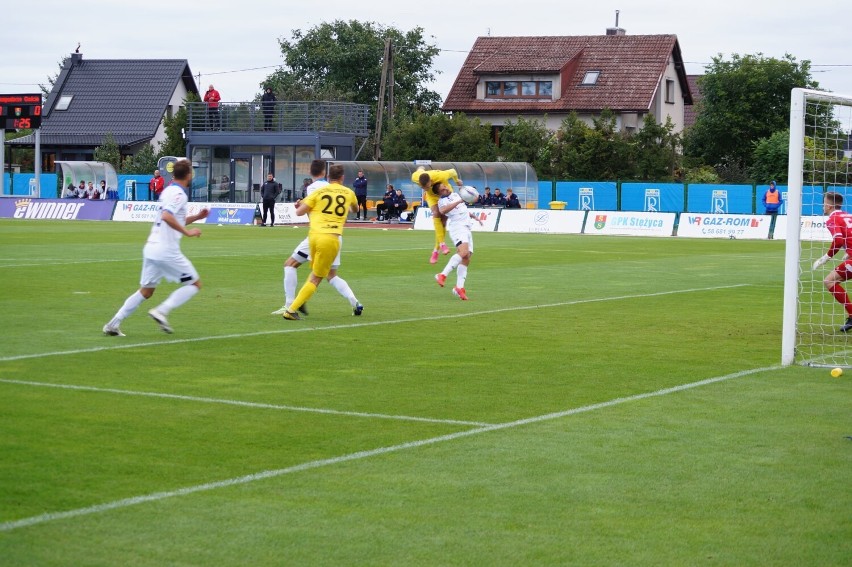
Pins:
<point x="670" y="91"/>
<point x="591" y="78"/>
<point x="519" y="89"/>
<point x="63" y="103"/>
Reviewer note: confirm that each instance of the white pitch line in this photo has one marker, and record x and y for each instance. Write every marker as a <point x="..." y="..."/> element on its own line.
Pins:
<point x="244" y="404"/>
<point x="297" y="328"/>
<point x="126" y="502"/>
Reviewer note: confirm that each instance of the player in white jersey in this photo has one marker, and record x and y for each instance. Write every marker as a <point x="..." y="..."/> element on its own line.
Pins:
<point x="162" y="257"/>
<point x="302" y="254"/>
<point x="459" y="225"/>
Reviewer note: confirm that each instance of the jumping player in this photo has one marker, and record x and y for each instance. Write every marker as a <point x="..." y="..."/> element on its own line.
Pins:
<point x="840" y="225"/>
<point x="460" y="227"/>
<point x="426" y="180"/>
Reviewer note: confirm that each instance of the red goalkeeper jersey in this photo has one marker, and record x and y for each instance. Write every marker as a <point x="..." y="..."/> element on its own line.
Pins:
<point x="840" y="226"/>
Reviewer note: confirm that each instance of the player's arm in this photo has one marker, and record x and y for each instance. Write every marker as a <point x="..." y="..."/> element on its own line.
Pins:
<point x="202" y="214"/>
<point x="302" y="208"/>
<point x="836" y="244"/>
<point x="448" y="207"/>
<point x="168" y="218"/>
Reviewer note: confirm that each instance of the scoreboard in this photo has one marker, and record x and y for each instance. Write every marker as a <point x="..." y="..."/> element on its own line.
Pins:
<point x="20" y="111"/>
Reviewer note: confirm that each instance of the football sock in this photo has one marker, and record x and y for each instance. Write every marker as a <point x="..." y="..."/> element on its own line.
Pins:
<point x="840" y="295"/>
<point x="291" y="280"/>
<point x="343" y="289"/>
<point x="307" y="291"/>
<point x="440" y="232"/>
<point x="130" y="305"/>
<point x="454" y="262"/>
<point x="461" y="276"/>
<point x="177" y="298"/>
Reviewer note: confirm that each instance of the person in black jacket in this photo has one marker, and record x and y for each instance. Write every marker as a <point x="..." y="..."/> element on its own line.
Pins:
<point x="512" y="201"/>
<point x="398" y="204"/>
<point x="268" y="103"/>
<point x="359" y="185"/>
<point x="383" y="208"/>
<point x="498" y="200"/>
<point x="269" y="191"/>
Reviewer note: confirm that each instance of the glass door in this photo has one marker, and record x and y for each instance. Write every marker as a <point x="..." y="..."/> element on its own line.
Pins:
<point x="249" y="172"/>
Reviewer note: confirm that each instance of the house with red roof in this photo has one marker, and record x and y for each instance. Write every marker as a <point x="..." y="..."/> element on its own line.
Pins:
<point x="545" y="78"/>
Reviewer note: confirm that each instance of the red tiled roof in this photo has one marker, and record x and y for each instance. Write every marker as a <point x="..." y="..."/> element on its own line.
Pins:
<point x="630" y="66"/>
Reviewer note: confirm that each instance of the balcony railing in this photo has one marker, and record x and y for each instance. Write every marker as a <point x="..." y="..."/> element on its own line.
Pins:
<point x="333" y="117"/>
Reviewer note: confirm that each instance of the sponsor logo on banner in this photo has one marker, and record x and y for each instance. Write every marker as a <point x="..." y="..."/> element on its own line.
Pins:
<point x="720" y="201"/>
<point x="587" y="199"/>
<point x="55" y="209"/>
<point x="541" y="221"/>
<point x="723" y="226"/>
<point x="627" y="223"/>
<point x="600" y="221"/>
<point x="652" y="200"/>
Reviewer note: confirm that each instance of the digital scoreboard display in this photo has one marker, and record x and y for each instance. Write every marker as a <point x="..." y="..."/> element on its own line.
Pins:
<point x="20" y="111"/>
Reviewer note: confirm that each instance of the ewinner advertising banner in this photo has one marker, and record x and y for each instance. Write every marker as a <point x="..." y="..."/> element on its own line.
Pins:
<point x="696" y="225"/>
<point x="55" y="209"/>
<point x="626" y="223"/>
<point x="543" y="221"/>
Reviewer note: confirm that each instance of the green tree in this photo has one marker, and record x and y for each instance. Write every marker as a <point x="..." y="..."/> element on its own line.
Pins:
<point x="438" y="137"/>
<point x="175" y="144"/>
<point x="771" y="158"/>
<point x="568" y="161"/>
<point x="743" y="100"/>
<point x="656" y="150"/>
<point x="527" y="141"/>
<point x="109" y="151"/>
<point x="342" y="61"/>
<point x="144" y="161"/>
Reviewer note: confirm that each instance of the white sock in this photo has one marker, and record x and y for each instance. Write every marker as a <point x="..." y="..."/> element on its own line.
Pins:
<point x="291" y="280"/>
<point x="454" y="261"/>
<point x="178" y="297"/>
<point x="130" y="305"/>
<point x="461" y="276"/>
<point x="343" y="289"/>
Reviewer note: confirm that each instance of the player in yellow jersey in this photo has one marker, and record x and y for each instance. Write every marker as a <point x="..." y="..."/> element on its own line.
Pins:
<point x="426" y="180"/>
<point x="327" y="208"/>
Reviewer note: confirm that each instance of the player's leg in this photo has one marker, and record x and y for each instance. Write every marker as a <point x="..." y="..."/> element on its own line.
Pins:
<point x="300" y="255"/>
<point x="833" y="283"/>
<point x="180" y="270"/>
<point x="464" y="247"/>
<point x="148" y="281"/>
<point x="324" y="248"/>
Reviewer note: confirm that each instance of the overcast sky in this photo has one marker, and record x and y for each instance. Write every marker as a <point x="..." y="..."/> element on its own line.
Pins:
<point x="234" y="45"/>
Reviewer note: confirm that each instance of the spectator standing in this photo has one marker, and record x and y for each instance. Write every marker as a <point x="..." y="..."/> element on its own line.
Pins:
<point x="268" y="103"/>
<point x="512" y="201"/>
<point x="162" y="257"/>
<point x="269" y="191"/>
<point x="360" y="187"/>
<point x="212" y="98"/>
<point x="498" y="200"/>
<point x="156" y="186"/>
<point x="772" y="203"/>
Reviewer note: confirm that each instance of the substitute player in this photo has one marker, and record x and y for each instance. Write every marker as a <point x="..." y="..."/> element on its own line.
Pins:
<point x="327" y="207"/>
<point x="840" y="226"/>
<point x="460" y="225"/>
<point x="426" y="180"/>
<point x="162" y="257"/>
<point x="302" y="254"/>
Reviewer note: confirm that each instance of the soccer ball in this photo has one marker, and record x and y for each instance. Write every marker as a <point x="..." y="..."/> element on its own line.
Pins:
<point x="468" y="194"/>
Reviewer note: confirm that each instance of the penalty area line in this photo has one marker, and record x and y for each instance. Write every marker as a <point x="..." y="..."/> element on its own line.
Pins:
<point x="157" y="496"/>
<point x="305" y="329"/>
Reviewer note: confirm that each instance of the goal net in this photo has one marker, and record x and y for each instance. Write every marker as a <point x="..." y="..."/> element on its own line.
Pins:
<point x="820" y="126"/>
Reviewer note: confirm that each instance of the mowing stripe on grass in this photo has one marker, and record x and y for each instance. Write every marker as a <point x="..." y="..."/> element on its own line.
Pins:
<point x="296" y="328"/>
<point x="243" y="404"/>
<point x="126" y="502"/>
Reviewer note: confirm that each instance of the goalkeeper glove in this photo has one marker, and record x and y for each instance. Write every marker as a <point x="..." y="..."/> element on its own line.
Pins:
<point x="825" y="258"/>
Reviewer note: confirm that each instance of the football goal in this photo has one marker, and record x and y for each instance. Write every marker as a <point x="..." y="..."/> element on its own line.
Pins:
<point x="820" y="126"/>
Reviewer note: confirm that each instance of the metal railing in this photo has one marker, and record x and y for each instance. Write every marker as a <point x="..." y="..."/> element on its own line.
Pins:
<point x="285" y="116"/>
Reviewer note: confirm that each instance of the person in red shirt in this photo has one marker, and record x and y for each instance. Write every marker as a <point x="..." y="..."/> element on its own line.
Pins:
<point x="839" y="224"/>
<point x="156" y="185"/>
<point x="212" y="98"/>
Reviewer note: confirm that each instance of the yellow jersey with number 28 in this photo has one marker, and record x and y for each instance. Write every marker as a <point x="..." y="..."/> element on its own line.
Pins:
<point x="329" y="207"/>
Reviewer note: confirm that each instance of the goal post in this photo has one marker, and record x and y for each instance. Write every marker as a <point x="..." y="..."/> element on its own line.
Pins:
<point x="819" y="162"/>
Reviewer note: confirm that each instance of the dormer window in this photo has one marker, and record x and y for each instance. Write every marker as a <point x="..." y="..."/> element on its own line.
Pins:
<point x="591" y="78"/>
<point x="518" y="89"/>
<point x="63" y="103"/>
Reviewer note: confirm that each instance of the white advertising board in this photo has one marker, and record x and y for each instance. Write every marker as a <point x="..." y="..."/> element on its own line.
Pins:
<point x="629" y="223"/>
<point x="708" y="225"/>
<point x="813" y="228"/>
<point x="488" y="218"/>
<point x="541" y="220"/>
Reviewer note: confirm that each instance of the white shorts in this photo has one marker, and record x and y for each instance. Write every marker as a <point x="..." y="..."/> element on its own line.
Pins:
<point x="302" y="253"/>
<point x="177" y="269"/>
<point x="459" y="234"/>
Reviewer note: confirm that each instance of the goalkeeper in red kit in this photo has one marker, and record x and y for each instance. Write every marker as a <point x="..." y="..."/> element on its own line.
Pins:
<point x="840" y="226"/>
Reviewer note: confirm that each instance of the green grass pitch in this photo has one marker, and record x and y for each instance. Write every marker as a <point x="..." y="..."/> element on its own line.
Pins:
<point x="598" y="401"/>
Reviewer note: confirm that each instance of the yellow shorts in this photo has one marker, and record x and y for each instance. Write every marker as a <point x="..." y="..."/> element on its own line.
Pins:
<point x="324" y="249"/>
